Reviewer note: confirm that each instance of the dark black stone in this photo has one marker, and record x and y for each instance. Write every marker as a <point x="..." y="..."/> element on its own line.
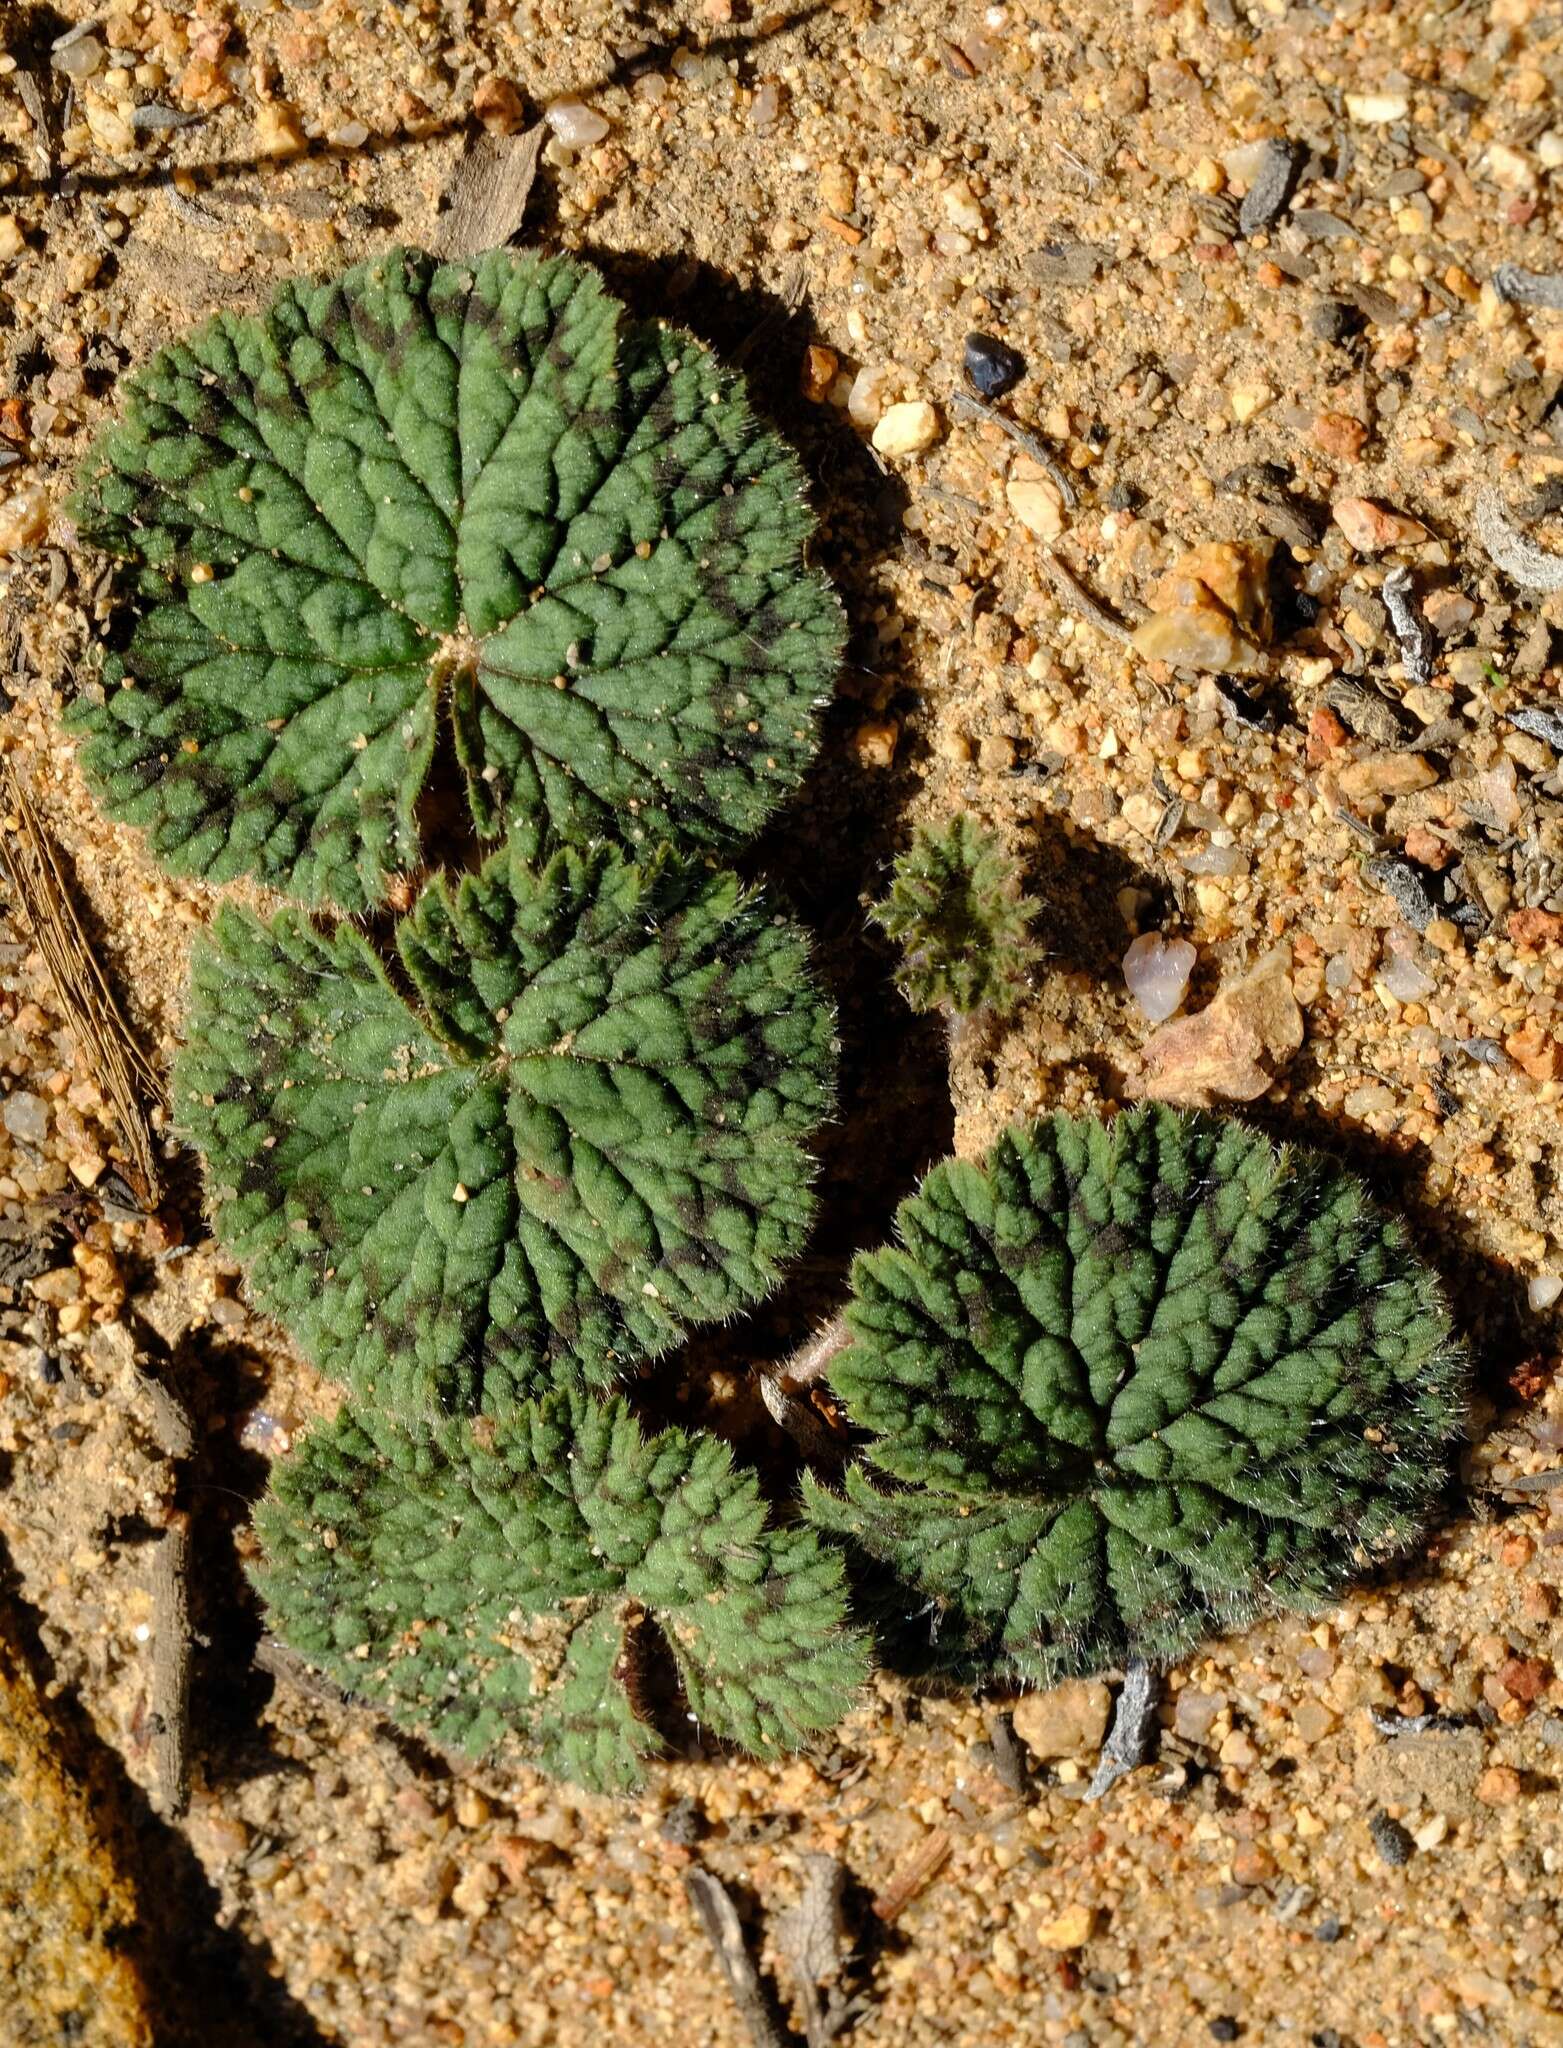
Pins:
<point x="1392" y="1841"/>
<point x="1417" y="890"/>
<point x="1224" y="2029"/>
<point x="993" y="366"/>
<point x="683" y="1824"/>
<point x="1336" y="321"/>
<point x="1274" y="183"/>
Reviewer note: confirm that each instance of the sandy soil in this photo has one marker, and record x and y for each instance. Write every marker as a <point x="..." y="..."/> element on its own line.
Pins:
<point x="877" y="181"/>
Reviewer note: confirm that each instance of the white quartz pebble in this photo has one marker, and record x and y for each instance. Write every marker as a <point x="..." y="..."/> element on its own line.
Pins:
<point x="1156" y="971"/>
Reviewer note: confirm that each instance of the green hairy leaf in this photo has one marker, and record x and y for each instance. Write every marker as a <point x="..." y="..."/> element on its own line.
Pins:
<point x="478" y="494"/>
<point x="956" y="909"/>
<point x="564" y="1125"/>
<point x="487" y="1584"/>
<point x="1128" y="1384"/>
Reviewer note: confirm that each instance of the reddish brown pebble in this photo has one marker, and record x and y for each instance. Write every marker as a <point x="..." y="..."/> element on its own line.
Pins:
<point x="1499" y="1785"/>
<point x="1338" y="434"/>
<point x="818" y="373"/>
<point x="1525" y="1678"/>
<point x="1535" y="927"/>
<point x="1535" y="1052"/>
<point x="1252" y="1865"/>
<point x="499" y="106"/>
<point x="1325" y="734"/>
<point x="1428" y="848"/>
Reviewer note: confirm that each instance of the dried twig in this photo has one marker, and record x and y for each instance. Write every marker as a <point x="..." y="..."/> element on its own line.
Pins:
<point x="784" y="1388"/>
<point x="795" y="289"/>
<point x="913" y="1874"/>
<point x="1131" y="1739"/>
<point x="485" y="201"/>
<point x="812" y="1936"/>
<point x="1074" y="593"/>
<point x="136" y="1349"/>
<point x="289" y="1668"/>
<point x="718" y="1915"/>
<point x="1532" y="568"/>
<point x="87" y="1001"/>
<point x="965" y="407"/>
<point x="171" y="1647"/>
<point x="1411" y="630"/>
<point x="32" y="99"/>
<point x="1009" y="1763"/>
<point x="1519" y="287"/>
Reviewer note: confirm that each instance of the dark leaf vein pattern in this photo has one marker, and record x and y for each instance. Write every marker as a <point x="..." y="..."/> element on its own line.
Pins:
<point x="1125" y="1385"/>
<point x="475" y="494"/>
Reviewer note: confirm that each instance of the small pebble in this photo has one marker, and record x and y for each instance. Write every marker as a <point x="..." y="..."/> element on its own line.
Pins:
<point x="1035" y="499"/>
<point x="993" y="366"/>
<point x="26" y="1117"/>
<point x="279" y="130"/>
<point x="576" y="124"/>
<point x="1066" y="1720"/>
<point x="1072" y="1928"/>
<point x="1405" y="980"/>
<point x="1156" y="972"/>
<point x="1336" y="321"/>
<point x="1377" y="109"/>
<point x="1544" y="1289"/>
<point x="1499" y="1785"/>
<point x="1370" y="527"/>
<point x="1392" y="1841"/>
<point x="1274" y="181"/>
<point x="869" y="395"/>
<point x="80" y="60"/>
<point x="498" y="105"/>
<point x="907" y="428"/>
<point x="24" y="518"/>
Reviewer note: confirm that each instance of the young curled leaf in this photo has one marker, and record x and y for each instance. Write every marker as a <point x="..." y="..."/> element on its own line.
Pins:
<point x="565" y="1125"/>
<point x="471" y="495"/>
<point x="963" y="924"/>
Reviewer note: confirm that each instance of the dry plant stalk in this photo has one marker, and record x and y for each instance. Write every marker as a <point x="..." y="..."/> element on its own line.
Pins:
<point x="171" y="1666"/>
<point x="485" y="201"/>
<point x="87" y="1000"/>
<point x="913" y="1874"/>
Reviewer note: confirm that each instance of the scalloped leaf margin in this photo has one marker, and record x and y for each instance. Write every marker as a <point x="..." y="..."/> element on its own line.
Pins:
<point x="478" y="497"/>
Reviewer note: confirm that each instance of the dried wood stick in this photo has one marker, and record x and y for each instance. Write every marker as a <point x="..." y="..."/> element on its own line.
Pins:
<point x="968" y="408"/>
<point x="87" y="1000"/>
<point x="171" y="1643"/>
<point x="784" y="1388"/>
<point x="1075" y="594"/>
<point x="485" y="201"/>
<point x="913" y="1874"/>
<point x="719" y="1916"/>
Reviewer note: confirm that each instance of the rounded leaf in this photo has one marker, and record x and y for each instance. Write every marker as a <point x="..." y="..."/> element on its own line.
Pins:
<point x="1139" y="1381"/>
<point x="485" y="1583"/>
<point x="477" y="493"/>
<point x="564" y="1126"/>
